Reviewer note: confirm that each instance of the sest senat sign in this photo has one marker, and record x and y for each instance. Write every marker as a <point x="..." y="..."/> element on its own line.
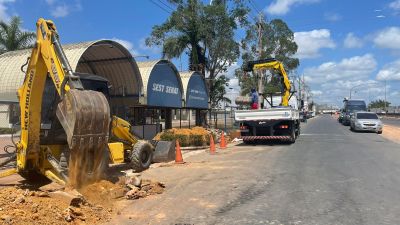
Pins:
<point x="196" y="94"/>
<point x="164" y="87"/>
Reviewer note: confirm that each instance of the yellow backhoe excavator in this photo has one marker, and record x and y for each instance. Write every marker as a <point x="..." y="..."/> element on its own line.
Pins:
<point x="67" y="133"/>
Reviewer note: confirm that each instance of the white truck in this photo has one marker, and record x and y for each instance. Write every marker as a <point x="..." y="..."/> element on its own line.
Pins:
<point x="275" y="123"/>
<point x="280" y="122"/>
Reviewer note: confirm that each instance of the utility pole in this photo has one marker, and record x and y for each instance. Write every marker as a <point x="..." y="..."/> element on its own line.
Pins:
<point x="299" y="100"/>
<point x="259" y="72"/>
<point x="385" y="96"/>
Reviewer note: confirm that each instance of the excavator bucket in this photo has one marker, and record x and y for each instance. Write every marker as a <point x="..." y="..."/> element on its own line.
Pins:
<point x="85" y="117"/>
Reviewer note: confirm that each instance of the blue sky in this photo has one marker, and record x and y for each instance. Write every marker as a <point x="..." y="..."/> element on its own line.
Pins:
<point x="341" y="43"/>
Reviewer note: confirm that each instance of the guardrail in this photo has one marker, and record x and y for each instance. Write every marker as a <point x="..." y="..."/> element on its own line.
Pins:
<point x="397" y="115"/>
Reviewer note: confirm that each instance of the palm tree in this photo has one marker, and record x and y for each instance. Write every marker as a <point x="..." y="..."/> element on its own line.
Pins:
<point x="12" y="37"/>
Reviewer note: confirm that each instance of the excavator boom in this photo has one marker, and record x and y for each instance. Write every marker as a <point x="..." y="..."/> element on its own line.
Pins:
<point x="83" y="114"/>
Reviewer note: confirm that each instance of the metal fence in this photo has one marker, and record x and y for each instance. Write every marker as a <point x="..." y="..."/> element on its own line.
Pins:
<point x="8" y="129"/>
<point x="222" y="118"/>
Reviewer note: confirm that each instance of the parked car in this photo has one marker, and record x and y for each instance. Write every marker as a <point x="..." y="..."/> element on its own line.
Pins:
<point x="366" y="121"/>
<point x="341" y="115"/>
<point x="350" y="107"/>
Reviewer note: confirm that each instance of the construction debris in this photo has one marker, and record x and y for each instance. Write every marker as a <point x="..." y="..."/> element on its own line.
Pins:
<point x="146" y="188"/>
<point x="22" y="205"/>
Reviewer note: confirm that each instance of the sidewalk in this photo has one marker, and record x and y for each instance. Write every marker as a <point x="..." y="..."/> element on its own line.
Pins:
<point x="392" y="133"/>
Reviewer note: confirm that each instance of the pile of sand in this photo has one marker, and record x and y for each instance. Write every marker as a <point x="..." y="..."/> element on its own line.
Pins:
<point x="24" y="206"/>
<point x="20" y="205"/>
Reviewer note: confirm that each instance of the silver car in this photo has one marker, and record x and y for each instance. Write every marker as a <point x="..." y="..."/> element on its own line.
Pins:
<point x="366" y="121"/>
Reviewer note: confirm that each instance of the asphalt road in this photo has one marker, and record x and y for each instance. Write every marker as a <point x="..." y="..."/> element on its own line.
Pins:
<point x="329" y="176"/>
<point x="391" y="121"/>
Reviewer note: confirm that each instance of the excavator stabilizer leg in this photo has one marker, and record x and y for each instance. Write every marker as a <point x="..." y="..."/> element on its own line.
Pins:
<point x="85" y="117"/>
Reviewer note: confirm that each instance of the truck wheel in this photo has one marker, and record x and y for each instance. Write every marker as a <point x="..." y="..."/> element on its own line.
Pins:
<point x="141" y="156"/>
<point x="293" y="135"/>
<point x="298" y="131"/>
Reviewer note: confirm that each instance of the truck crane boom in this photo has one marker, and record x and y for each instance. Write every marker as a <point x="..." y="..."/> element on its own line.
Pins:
<point x="277" y="66"/>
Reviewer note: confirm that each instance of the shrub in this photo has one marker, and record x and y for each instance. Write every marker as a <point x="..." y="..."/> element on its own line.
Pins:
<point x="197" y="140"/>
<point x="184" y="140"/>
<point x="197" y="136"/>
<point x="6" y="130"/>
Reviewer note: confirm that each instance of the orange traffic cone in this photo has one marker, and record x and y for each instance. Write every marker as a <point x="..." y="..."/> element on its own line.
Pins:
<point x="178" y="154"/>
<point x="212" y="145"/>
<point x="222" y="143"/>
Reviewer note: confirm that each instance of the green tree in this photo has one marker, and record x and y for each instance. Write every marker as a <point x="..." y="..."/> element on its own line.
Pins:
<point x="217" y="94"/>
<point x="205" y="32"/>
<point x="277" y="41"/>
<point x="378" y="104"/>
<point x="13" y="38"/>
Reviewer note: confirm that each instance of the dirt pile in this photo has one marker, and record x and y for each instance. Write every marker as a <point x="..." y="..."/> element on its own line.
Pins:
<point x="103" y="193"/>
<point x="24" y="206"/>
<point x="20" y="205"/>
<point x="142" y="188"/>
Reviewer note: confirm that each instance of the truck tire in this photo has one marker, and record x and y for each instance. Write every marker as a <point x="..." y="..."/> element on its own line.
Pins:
<point x="141" y="156"/>
<point x="293" y="134"/>
<point x="298" y="131"/>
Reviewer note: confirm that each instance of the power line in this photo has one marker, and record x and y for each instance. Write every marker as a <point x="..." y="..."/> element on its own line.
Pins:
<point x="166" y="5"/>
<point x="253" y="4"/>
<point x="159" y="6"/>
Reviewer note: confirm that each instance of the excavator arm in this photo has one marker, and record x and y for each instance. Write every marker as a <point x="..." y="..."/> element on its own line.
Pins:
<point x="84" y="114"/>
<point x="277" y="66"/>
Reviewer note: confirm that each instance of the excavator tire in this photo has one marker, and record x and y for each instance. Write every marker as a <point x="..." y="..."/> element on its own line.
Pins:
<point x="141" y="156"/>
<point x="34" y="177"/>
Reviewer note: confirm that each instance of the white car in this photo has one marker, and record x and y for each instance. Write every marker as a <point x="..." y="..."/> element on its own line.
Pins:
<point x="366" y="121"/>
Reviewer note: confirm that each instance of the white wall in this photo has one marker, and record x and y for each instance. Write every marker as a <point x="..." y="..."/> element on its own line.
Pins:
<point x="4" y="116"/>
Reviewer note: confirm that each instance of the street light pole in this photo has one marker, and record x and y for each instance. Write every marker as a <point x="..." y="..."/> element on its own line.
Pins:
<point x="385" y="96"/>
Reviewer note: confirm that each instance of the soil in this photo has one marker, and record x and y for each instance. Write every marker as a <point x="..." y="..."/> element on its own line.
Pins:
<point x="24" y="206"/>
<point x="392" y="133"/>
<point x="104" y="193"/>
<point x="28" y="205"/>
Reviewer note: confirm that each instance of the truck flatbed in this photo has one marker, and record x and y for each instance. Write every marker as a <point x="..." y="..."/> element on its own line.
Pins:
<point x="281" y="113"/>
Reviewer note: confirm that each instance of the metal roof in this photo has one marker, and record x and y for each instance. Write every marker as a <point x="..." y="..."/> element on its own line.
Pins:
<point x="105" y="58"/>
<point x="146" y="67"/>
<point x="185" y="77"/>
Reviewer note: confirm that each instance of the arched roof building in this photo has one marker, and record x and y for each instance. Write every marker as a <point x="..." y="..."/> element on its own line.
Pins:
<point x="162" y="85"/>
<point x="105" y="58"/>
<point x="195" y="90"/>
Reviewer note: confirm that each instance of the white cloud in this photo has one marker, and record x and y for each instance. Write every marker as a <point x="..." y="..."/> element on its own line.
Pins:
<point x="281" y="7"/>
<point x="230" y="71"/>
<point x="310" y="42"/>
<point x="388" y="38"/>
<point x="316" y="93"/>
<point x="333" y="17"/>
<point x="352" y="41"/>
<point x="127" y="44"/>
<point x="151" y="49"/>
<point x="390" y="71"/>
<point x="60" y="11"/>
<point x="50" y="2"/>
<point x="233" y="83"/>
<point x="348" y="69"/>
<point x="395" y="5"/>
<point x="4" y="16"/>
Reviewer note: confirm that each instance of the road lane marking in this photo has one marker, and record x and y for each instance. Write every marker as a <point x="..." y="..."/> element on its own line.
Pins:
<point x="308" y="134"/>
